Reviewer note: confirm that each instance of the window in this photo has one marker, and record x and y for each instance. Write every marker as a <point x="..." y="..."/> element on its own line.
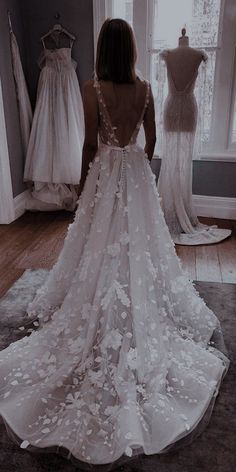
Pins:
<point x="211" y="25"/>
<point x="120" y="9"/>
<point x="201" y="20"/>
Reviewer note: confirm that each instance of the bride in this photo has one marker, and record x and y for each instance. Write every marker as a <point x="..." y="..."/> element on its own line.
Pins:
<point x="127" y="357"/>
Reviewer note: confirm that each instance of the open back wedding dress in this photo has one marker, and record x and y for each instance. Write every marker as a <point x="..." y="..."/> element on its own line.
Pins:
<point x="124" y="359"/>
<point x="175" y="179"/>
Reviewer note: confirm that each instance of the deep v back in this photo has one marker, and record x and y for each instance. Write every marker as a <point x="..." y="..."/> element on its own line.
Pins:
<point x="188" y="88"/>
<point x="107" y="131"/>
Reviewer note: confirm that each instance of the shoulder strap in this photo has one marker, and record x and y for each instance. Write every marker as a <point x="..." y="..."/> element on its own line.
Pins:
<point x="146" y="102"/>
<point x="140" y="121"/>
<point x="104" y="113"/>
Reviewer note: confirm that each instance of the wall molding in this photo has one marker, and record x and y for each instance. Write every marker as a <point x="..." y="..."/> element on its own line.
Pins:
<point x="20" y="203"/>
<point x="215" y="207"/>
<point x="205" y="205"/>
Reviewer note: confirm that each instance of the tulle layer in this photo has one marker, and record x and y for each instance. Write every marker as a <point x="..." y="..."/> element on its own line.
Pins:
<point x="123" y="359"/>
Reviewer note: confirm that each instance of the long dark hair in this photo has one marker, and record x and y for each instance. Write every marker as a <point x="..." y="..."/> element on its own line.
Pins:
<point x="116" y="52"/>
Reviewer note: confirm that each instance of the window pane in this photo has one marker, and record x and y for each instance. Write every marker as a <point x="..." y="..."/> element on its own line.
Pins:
<point x="120" y="9"/>
<point x="200" y="17"/>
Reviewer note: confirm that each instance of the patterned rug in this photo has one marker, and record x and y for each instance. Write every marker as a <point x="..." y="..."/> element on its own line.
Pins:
<point x="213" y="451"/>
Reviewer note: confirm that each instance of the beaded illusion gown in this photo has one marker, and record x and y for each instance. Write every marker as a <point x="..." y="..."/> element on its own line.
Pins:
<point x="124" y="359"/>
<point x="175" y="179"/>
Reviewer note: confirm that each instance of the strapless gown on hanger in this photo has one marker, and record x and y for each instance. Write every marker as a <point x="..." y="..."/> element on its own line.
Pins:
<point x="175" y="179"/>
<point x="126" y="358"/>
<point x="54" y="154"/>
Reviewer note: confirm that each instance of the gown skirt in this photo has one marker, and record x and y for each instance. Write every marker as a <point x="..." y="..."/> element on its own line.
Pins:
<point x="127" y="357"/>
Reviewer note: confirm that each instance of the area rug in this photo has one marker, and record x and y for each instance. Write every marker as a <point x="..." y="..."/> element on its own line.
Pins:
<point x="213" y="451"/>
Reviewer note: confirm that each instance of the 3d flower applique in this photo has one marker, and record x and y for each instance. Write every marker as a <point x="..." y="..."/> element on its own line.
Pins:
<point x="94" y="408"/>
<point x="121" y="294"/>
<point x="73" y="400"/>
<point x="124" y="238"/>
<point x="113" y="340"/>
<point x="25" y="444"/>
<point x="179" y="284"/>
<point x="111" y="410"/>
<point x="86" y="309"/>
<point x="132" y="358"/>
<point x="128" y="451"/>
<point x="48" y="358"/>
<point x="96" y="377"/>
<point x="113" y="249"/>
<point x="77" y="345"/>
<point x="116" y="289"/>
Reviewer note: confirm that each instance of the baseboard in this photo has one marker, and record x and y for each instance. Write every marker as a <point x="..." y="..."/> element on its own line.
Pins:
<point x="215" y="207"/>
<point x="205" y="205"/>
<point x="19" y="203"/>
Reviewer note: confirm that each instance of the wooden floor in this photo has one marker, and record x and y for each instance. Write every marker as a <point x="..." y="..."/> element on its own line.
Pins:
<point x="35" y="240"/>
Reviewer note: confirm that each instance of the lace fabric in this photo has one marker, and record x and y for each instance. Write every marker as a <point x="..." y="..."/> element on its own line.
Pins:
<point x="178" y="147"/>
<point x="123" y="360"/>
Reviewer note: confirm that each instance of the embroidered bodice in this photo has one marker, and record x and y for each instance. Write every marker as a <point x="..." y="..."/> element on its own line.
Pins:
<point x="57" y="59"/>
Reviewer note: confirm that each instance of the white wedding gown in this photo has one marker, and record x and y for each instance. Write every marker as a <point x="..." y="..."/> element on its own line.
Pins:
<point x="23" y="101"/>
<point x="123" y="360"/>
<point x="175" y="179"/>
<point x="53" y="160"/>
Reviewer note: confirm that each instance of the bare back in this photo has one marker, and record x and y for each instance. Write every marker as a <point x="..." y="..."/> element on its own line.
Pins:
<point x="124" y="103"/>
<point x="183" y="63"/>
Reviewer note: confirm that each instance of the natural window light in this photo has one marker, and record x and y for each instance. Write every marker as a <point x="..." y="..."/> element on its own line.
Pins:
<point x="210" y="25"/>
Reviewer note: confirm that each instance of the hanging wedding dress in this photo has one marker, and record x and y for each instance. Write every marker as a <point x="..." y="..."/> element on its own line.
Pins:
<point x="24" y="105"/>
<point x="125" y="359"/>
<point x="54" y="154"/>
<point x="175" y="179"/>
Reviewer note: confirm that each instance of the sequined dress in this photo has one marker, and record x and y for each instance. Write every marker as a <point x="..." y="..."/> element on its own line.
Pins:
<point x="124" y="359"/>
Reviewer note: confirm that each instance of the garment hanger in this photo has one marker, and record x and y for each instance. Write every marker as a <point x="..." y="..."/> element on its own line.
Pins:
<point x="58" y="28"/>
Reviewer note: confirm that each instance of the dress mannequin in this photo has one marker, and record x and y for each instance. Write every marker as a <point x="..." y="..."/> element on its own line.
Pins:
<point x="183" y="40"/>
<point x="180" y="122"/>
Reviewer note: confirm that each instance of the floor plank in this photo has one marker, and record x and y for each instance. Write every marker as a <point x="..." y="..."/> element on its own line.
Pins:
<point x="51" y="239"/>
<point x="187" y="255"/>
<point x="208" y="264"/>
<point x="33" y="241"/>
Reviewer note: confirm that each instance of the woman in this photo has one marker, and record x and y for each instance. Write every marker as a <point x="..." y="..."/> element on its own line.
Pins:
<point x="123" y="360"/>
